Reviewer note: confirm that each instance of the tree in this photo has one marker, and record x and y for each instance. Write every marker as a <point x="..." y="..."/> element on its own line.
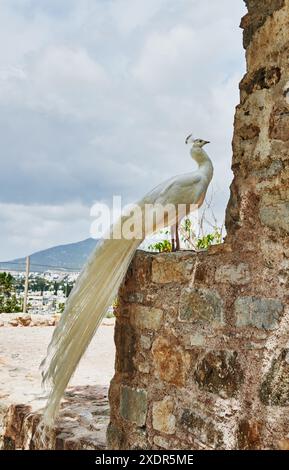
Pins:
<point x="6" y="283"/>
<point x="56" y="287"/>
<point x="9" y="302"/>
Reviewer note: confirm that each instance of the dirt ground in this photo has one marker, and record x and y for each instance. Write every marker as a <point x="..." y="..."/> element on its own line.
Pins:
<point x="23" y="348"/>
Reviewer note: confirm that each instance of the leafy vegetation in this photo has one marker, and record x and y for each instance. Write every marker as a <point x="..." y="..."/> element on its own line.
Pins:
<point x="8" y="300"/>
<point x="61" y="307"/>
<point x="163" y="246"/>
<point x="202" y="240"/>
<point x="40" y="284"/>
<point x="210" y="239"/>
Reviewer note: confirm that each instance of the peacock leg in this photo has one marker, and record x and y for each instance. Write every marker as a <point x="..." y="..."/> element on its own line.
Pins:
<point x="173" y="237"/>
<point x="178" y="246"/>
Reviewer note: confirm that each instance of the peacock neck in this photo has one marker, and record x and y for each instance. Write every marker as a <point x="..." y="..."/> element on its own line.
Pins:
<point x="204" y="162"/>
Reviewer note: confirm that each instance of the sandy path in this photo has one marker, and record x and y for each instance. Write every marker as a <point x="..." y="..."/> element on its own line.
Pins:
<point x="23" y="348"/>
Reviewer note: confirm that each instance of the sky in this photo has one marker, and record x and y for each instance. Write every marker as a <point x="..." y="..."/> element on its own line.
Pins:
<point x="96" y="99"/>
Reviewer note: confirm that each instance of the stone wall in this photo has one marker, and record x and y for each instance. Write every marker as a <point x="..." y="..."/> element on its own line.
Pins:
<point x="203" y="339"/>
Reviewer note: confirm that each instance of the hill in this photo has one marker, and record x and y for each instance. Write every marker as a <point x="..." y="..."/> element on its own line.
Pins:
<point x="69" y="257"/>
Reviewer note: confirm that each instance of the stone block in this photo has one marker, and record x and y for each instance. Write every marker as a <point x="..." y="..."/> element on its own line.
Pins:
<point x="283" y="444"/>
<point x="200" y="305"/>
<point x="163" y="418"/>
<point x="269" y="171"/>
<point x="196" y="340"/>
<point x="258" y="312"/>
<point x="146" y="317"/>
<point x="145" y="342"/>
<point x="144" y="368"/>
<point x="135" y="297"/>
<point x="138" y="439"/>
<point x="220" y="372"/>
<point x="133" y="405"/>
<point x="276" y="216"/>
<point x="125" y="341"/>
<point x="249" y="434"/>
<point x="171" y="268"/>
<point x="202" y="428"/>
<point x="237" y="275"/>
<point x="274" y="390"/>
<point x="170" y="360"/>
<point x="114" y="437"/>
<point x="140" y="268"/>
<point x="161" y="442"/>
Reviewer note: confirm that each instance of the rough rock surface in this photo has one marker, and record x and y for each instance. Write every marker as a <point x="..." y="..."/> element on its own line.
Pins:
<point x="81" y="425"/>
<point x="21" y="319"/>
<point x="205" y="336"/>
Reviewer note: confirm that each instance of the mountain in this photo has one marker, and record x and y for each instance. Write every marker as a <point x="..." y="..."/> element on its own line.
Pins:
<point x="69" y="257"/>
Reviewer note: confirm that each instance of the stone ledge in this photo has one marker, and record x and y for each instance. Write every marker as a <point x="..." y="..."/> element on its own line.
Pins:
<point x="82" y="423"/>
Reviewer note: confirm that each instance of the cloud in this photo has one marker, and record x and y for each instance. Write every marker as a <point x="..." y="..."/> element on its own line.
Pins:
<point x="24" y="227"/>
<point x="165" y="59"/>
<point x="129" y="15"/>
<point x="52" y="80"/>
<point x="97" y="97"/>
<point x="66" y="66"/>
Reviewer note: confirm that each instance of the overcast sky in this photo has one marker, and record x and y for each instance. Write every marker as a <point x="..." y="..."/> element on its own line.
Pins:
<point x="96" y="99"/>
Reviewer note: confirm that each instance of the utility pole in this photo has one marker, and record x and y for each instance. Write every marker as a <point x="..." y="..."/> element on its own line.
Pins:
<point x="26" y="284"/>
<point x="66" y="289"/>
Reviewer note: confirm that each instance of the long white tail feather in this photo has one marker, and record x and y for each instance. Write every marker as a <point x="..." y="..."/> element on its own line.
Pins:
<point x="100" y="279"/>
<point x="101" y="276"/>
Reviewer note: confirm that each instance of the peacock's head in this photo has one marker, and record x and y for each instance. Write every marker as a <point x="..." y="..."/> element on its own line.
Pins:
<point x="196" y="142"/>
